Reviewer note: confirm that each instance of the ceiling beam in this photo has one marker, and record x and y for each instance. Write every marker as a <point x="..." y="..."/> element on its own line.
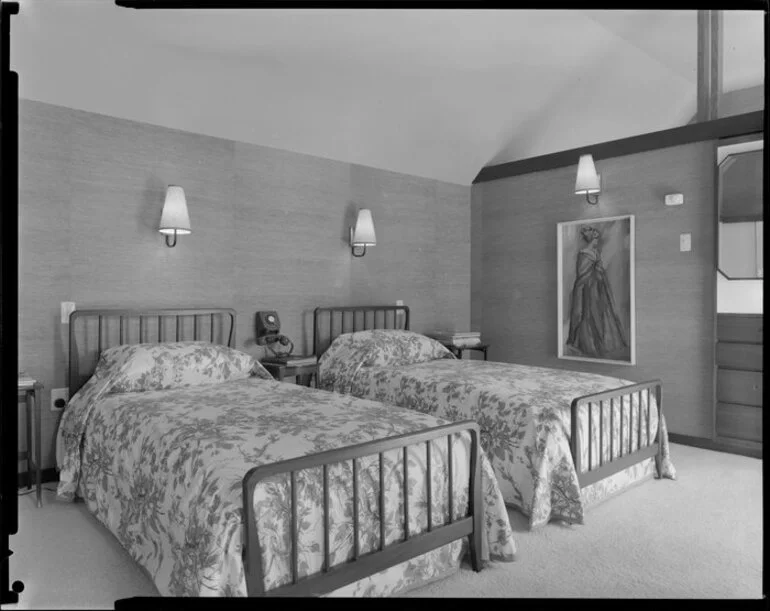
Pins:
<point x="738" y="125"/>
<point x="710" y="54"/>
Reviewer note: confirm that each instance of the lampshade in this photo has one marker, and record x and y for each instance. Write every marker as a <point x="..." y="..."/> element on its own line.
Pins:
<point x="587" y="179"/>
<point x="363" y="234"/>
<point x="175" y="217"/>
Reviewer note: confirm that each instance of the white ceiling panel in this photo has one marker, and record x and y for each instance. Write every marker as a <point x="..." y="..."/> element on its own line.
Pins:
<point x="433" y="93"/>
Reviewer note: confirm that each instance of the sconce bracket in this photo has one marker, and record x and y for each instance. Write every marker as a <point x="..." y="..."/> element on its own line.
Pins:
<point x="596" y="197"/>
<point x="358" y="250"/>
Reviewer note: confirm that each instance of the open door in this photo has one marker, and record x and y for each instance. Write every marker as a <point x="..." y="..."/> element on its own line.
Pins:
<point x="738" y="353"/>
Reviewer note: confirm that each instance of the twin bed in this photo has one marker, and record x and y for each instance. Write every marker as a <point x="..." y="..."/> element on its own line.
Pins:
<point x="534" y="421"/>
<point x="219" y="480"/>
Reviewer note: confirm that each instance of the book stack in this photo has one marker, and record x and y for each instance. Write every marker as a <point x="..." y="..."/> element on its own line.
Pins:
<point x="295" y="361"/>
<point x="464" y="339"/>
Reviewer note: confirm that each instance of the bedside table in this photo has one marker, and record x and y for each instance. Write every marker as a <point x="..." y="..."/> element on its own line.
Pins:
<point x="32" y="390"/>
<point x="458" y="350"/>
<point x="300" y="372"/>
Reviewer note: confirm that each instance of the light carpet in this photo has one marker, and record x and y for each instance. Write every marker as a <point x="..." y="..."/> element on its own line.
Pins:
<point x="697" y="537"/>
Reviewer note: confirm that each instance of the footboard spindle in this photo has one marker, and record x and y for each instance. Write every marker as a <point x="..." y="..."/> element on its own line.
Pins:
<point x="294" y="537"/>
<point x="355" y="509"/>
<point x="327" y="553"/>
<point x="601" y="433"/>
<point x="451" y="488"/>
<point x="428" y="471"/>
<point x="406" y="495"/>
<point x="382" y="501"/>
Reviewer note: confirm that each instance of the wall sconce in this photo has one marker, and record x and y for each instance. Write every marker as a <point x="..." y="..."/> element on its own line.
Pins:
<point x="587" y="181"/>
<point x="174" y="220"/>
<point x="363" y="234"/>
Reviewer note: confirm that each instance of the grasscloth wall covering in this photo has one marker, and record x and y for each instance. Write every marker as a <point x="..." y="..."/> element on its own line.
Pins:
<point x="514" y="270"/>
<point x="270" y="231"/>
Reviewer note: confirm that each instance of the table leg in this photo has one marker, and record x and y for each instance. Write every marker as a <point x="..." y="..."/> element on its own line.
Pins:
<point x="38" y="448"/>
<point x="485" y="354"/>
<point x="305" y="379"/>
<point x="28" y="401"/>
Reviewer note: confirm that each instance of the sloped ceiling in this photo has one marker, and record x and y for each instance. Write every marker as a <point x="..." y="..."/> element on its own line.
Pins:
<point x="432" y="93"/>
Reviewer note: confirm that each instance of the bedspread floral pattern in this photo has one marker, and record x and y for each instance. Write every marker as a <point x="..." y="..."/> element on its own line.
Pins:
<point x="163" y="471"/>
<point x="394" y="347"/>
<point x="524" y="415"/>
<point x="139" y="367"/>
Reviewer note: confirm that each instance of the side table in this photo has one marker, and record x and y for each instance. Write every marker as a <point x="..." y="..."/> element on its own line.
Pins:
<point x="32" y="389"/>
<point x="281" y="371"/>
<point x="458" y="350"/>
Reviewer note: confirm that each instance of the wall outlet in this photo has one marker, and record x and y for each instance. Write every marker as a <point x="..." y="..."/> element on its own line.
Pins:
<point x="685" y="242"/>
<point x="674" y="199"/>
<point x="59" y="398"/>
<point x="67" y="308"/>
<point x="399" y="302"/>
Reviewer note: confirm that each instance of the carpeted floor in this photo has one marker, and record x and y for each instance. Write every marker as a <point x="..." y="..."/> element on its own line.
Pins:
<point x="697" y="537"/>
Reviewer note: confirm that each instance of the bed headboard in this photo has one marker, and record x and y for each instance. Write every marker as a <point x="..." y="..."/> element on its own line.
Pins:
<point x="92" y="331"/>
<point x="354" y="318"/>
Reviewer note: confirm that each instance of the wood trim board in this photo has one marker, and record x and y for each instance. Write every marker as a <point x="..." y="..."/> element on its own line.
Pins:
<point x="732" y="355"/>
<point x="742" y="387"/>
<point x="744" y="448"/>
<point x="742" y="328"/>
<point x="738" y="421"/>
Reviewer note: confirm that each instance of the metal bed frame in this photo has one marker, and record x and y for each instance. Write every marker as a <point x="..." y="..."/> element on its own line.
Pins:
<point x="355" y="318"/>
<point x="330" y="577"/>
<point x="216" y="317"/>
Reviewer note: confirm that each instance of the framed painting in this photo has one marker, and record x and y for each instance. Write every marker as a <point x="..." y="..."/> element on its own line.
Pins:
<point x="597" y="318"/>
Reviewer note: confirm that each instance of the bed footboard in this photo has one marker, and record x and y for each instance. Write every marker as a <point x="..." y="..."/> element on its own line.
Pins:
<point x="637" y="426"/>
<point x="333" y="577"/>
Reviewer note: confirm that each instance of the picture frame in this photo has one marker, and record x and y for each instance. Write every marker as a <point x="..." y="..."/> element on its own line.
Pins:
<point x="596" y="293"/>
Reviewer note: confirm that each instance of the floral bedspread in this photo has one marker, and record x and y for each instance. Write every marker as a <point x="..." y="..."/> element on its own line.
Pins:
<point x="524" y="416"/>
<point x="163" y="470"/>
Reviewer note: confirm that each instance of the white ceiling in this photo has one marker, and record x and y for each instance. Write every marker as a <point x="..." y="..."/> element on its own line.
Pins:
<point x="433" y="93"/>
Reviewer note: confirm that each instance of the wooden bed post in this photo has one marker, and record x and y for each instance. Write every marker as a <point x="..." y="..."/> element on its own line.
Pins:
<point x="476" y="502"/>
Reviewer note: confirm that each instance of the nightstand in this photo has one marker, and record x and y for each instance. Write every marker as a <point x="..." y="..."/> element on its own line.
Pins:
<point x="32" y="390"/>
<point x="458" y="350"/>
<point x="300" y="372"/>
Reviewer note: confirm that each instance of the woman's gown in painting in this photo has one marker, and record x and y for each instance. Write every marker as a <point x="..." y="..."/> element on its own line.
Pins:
<point x="595" y="329"/>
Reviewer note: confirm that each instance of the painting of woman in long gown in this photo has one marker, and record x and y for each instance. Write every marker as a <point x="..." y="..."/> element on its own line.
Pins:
<point x="596" y="314"/>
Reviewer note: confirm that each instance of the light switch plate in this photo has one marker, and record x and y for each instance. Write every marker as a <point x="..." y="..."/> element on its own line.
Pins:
<point x="674" y="199"/>
<point x="67" y="308"/>
<point x="685" y="242"/>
